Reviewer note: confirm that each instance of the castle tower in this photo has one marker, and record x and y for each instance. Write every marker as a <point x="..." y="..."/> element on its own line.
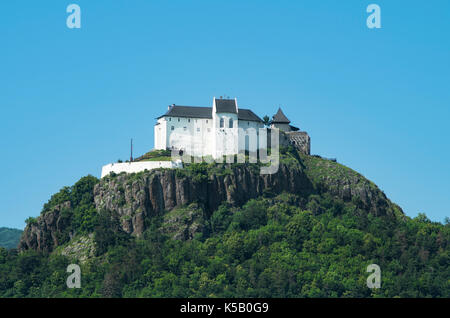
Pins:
<point x="225" y="127"/>
<point x="280" y="121"/>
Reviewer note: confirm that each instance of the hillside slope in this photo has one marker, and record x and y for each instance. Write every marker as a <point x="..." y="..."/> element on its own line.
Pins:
<point x="310" y="230"/>
<point x="9" y="238"/>
<point x="136" y="198"/>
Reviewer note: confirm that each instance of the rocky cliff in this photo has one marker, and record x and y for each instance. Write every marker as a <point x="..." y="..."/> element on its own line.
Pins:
<point x="44" y="233"/>
<point x="135" y="198"/>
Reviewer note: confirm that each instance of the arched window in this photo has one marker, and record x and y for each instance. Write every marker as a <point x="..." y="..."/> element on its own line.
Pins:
<point x="231" y="123"/>
<point x="221" y="122"/>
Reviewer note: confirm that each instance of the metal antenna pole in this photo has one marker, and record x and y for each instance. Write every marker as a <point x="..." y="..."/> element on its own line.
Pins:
<point x="131" y="157"/>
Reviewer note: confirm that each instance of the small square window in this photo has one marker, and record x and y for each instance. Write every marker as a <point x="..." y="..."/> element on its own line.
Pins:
<point x="172" y="128"/>
<point x="184" y="128"/>
<point x="198" y="129"/>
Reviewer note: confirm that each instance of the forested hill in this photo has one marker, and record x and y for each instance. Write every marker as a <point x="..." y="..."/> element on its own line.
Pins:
<point x="221" y="230"/>
<point x="9" y="238"/>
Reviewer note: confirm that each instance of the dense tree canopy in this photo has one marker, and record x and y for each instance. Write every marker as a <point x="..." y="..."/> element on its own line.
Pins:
<point x="270" y="247"/>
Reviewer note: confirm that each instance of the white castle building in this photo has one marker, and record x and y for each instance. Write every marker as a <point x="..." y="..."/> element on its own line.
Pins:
<point x="223" y="129"/>
<point x="220" y="130"/>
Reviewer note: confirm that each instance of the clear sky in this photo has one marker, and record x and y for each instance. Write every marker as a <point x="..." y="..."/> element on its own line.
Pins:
<point x="378" y="100"/>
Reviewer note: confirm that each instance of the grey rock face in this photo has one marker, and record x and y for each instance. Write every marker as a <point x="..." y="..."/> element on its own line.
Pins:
<point x="136" y="198"/>
<point x="154" y="193"/>
<point x="183" y="224"/>
<point x="298" y="139"/>
<point x="44" y="235"/>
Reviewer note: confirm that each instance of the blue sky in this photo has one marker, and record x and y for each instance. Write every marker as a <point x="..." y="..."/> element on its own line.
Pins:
<point x="378" y="100"/>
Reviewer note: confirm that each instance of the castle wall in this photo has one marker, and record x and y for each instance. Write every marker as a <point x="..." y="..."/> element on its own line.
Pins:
<point x="193" y="135"/>
<point x="249" y="138"/>
<point x="160" y="132"/>
<point x="134" y="167"/>
<point x="282" y="127"/>
<point x="225" y="138"/>
<point x="203" y="137"/>
<point x="298" y="139"/>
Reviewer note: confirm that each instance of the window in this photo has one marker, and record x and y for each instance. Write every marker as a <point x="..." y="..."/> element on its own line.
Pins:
<point x="184" y="128"/>
<point x="170" y="119"/>
<point x="178" y="119"/>
<point x="189" y="120"/>
<point x="231" y="123"/>
<point x="207" y="121"/>
<point x="248" y="123"/>
<point x="209" y="129"/>
<point x="221" y="122"/>
<point x="198" y="129"/>
<point x="172" y="128"/>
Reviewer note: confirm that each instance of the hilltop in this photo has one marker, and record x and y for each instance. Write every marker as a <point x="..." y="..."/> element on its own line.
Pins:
<point x="224" y="230"/>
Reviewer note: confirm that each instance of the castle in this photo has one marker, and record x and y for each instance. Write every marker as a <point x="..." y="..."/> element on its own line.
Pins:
<point x="223" y="129"/>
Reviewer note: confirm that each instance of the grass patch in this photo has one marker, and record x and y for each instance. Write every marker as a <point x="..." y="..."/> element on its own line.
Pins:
<point x="156" y="155"/>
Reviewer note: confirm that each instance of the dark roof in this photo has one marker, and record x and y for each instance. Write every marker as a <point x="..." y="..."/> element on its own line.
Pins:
<point x="225" y="106"/>
<point x="206" y="112"/>
<point x="247" y="114"/>
<point x="188" y="111"/>
<point x="293" y="128"/>
<point x="280" y="118"/>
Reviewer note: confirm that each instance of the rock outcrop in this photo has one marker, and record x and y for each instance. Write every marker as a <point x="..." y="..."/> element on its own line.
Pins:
<point x="45" y="232"/>
<point x="298" y="139"/>
<point x="342" y="182"/>
<point x="136" y="198"/>
<point x="80" y="248"/>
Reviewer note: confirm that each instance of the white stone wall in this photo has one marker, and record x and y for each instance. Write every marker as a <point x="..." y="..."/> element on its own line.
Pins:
<point x="282" y="127"/>
<point x="251" y="129"/>
<point x="203" y="137"/>
<point x="134" y="167"/>
<point x="160" y="134"/>
<point x="193" y="135"/>
<point x="225" y="138"/>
